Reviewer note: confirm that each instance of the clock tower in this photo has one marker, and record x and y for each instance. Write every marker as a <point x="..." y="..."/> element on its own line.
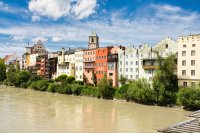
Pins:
<point x="93" y="41"/>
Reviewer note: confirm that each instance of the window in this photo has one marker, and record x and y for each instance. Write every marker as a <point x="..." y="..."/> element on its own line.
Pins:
<point x="136" y="69"/>
<point x="131" y="62"/>
<point x="131" y="69"/>
<point x="88" y="71"/>
<point x="131" y="76"/>
<point x="126" y="62"/>
<point x="193" y="84"/>
<point x="192" y="62"/>
<point x="184" y="45"/>
<point x="193" y="72"/>
<point x="126" y="69"/>
<point x="185" y="84"/>
<point x="183" y="53"/>
<point x="136" y="63"/>
<point x="184" y="63"/>
<point x="120" y="69"/>
<point x="110" y="74"/>
<point x="120" y="62"/>
<point x="166" y="46"/>
<point x="136" y="76"/>
<point x="193" y="53"/>
<point x="193" y="45"/>
<point x="183" y="72"/>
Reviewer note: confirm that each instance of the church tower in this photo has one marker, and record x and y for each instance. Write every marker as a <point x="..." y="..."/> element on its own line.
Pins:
<point x="93" y="41"/>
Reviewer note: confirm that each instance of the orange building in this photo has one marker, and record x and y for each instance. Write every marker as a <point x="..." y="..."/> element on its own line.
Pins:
<point x="101" y="62"/>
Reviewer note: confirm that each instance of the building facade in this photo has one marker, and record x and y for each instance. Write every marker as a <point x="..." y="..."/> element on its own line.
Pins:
<point x="79" y="54"/>
<point x="188" y="60"/>
<point x="66" y="63"/>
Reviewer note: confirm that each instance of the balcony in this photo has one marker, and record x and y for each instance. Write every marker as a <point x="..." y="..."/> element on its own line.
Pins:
<point x="112" y="57"/>
<point x="149" y="67"/>
<point x="88" y="67"/>
<point x="63" y="64"/>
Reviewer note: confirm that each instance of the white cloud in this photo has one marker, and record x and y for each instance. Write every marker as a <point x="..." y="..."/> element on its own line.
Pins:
<point x="143" y="27"/>
<point x="56" y="39"/>
<point x="168" y="8"/>
<point x="11" y="9"/>
<point x="35" y="18"/>
<point x="17" y="37"/>
<point x="35" y="39"/>
<point x="58" y="8"/>
<point x="84" y="8"/>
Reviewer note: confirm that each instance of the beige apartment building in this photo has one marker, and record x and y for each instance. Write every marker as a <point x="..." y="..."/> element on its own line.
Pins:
<point x="189" y="60"/>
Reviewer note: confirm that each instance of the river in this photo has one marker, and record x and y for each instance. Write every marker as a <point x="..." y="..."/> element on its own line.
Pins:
<point x="27" y="111"/>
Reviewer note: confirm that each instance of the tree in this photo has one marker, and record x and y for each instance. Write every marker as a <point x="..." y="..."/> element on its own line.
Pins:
<point x="165" y="82"/>
<point x="94" y="78"/>
<point x="2" y="70"/>
<point x="105" y="88"/>
<point x="22" y="78"/>
<point x="122" y="80"/>
<point x="11" y="74"/>
<point x="61" y="78"/>
<point x="70" y="79"/>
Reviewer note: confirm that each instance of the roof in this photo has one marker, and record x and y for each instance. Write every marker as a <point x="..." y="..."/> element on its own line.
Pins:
<point x="189" y="126"/>
<point x="195" y="114"/>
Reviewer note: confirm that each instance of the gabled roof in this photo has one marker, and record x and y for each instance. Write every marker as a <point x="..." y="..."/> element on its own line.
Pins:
<point x="189" y="126"/>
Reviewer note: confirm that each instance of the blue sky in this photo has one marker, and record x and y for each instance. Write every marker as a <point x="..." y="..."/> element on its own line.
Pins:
<point x="68" y="23"/>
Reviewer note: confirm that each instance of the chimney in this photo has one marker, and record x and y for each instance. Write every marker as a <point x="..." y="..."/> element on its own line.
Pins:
<point x="63" y="55"/>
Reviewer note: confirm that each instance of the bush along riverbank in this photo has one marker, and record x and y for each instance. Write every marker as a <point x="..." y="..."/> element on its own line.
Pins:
<point x="164" y="90"/>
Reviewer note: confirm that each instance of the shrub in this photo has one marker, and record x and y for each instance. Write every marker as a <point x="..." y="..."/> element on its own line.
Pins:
<point x="22" y="78"/>
<point x="53" y="87"/>
<point x="70" y="79"/>
<point x="90" y="91"/>
<point x="140" y="91"/>
<point x="189" y="98"/>
<point x="76" y="89"/>
<point x="61" y="78"/>
<point x="105" y="88"/>
<point x="121" y="92"/>
<point x="80" y="82"/>
<point x="40" y="85"/>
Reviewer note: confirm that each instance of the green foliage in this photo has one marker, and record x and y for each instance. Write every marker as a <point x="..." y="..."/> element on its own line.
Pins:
<point x="70" y="79"/>
<point x="80" y="82"/>
<point x="40" y="85"/>
<point x="53" y="87"/>
<point x="76" y="89"/>
<point x="2" y="70"/>
<point x="140" y="91"/>
<point x="121" y="92"/>
<point x="90" y="91"/>
<point x="11" y="75"/>
<point x="165" y="82"/>
<point x="65" y="89"/>
<point x="105" y="88"/>
<point x="189" y="98"/>
<point x="22" y="79"/>
<point x="122" y="80"/>
<point x="61" y="78"/>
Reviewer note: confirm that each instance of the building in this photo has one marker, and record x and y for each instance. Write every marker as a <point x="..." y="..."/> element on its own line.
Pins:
<point x="42" y="66"/>
<point x="89" y="60"/>
<point x="135" y="63"/>
<point x="79" y="56"/>
<point x="11" y="59"/>
<point x="22" y="62"/>
<point x="188" y="60"/>
<point x="112" y="65"/>
<point x="66" y="63"/>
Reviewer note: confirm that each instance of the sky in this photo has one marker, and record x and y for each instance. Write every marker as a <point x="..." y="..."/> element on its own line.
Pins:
<point x="68" y="23"/>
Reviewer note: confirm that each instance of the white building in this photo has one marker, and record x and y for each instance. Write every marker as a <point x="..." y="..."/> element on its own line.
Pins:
<point x="66" y="63"/>
<point x="10" y="59"/>
<point x="135" y="63"/>
<point x="79" y="64"/>
<point x="189" y="60"/>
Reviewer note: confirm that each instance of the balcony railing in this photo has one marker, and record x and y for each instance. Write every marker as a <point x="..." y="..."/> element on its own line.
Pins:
<point x="150" y="67"/>
<point x="88" y="67"/>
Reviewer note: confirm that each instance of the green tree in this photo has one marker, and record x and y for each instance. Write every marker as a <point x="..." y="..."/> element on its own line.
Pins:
<point x="165" y="82"/>
<point x="70" y="79"/>
<point x="94" y="78"/>
<point x="2" y="70"/>
<point x="11" y="74"/>
<point x="22" y="78"/>
<point x="61" y="78"/>
<point x="105" y="88"/>
<point x="122" y="80"/>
